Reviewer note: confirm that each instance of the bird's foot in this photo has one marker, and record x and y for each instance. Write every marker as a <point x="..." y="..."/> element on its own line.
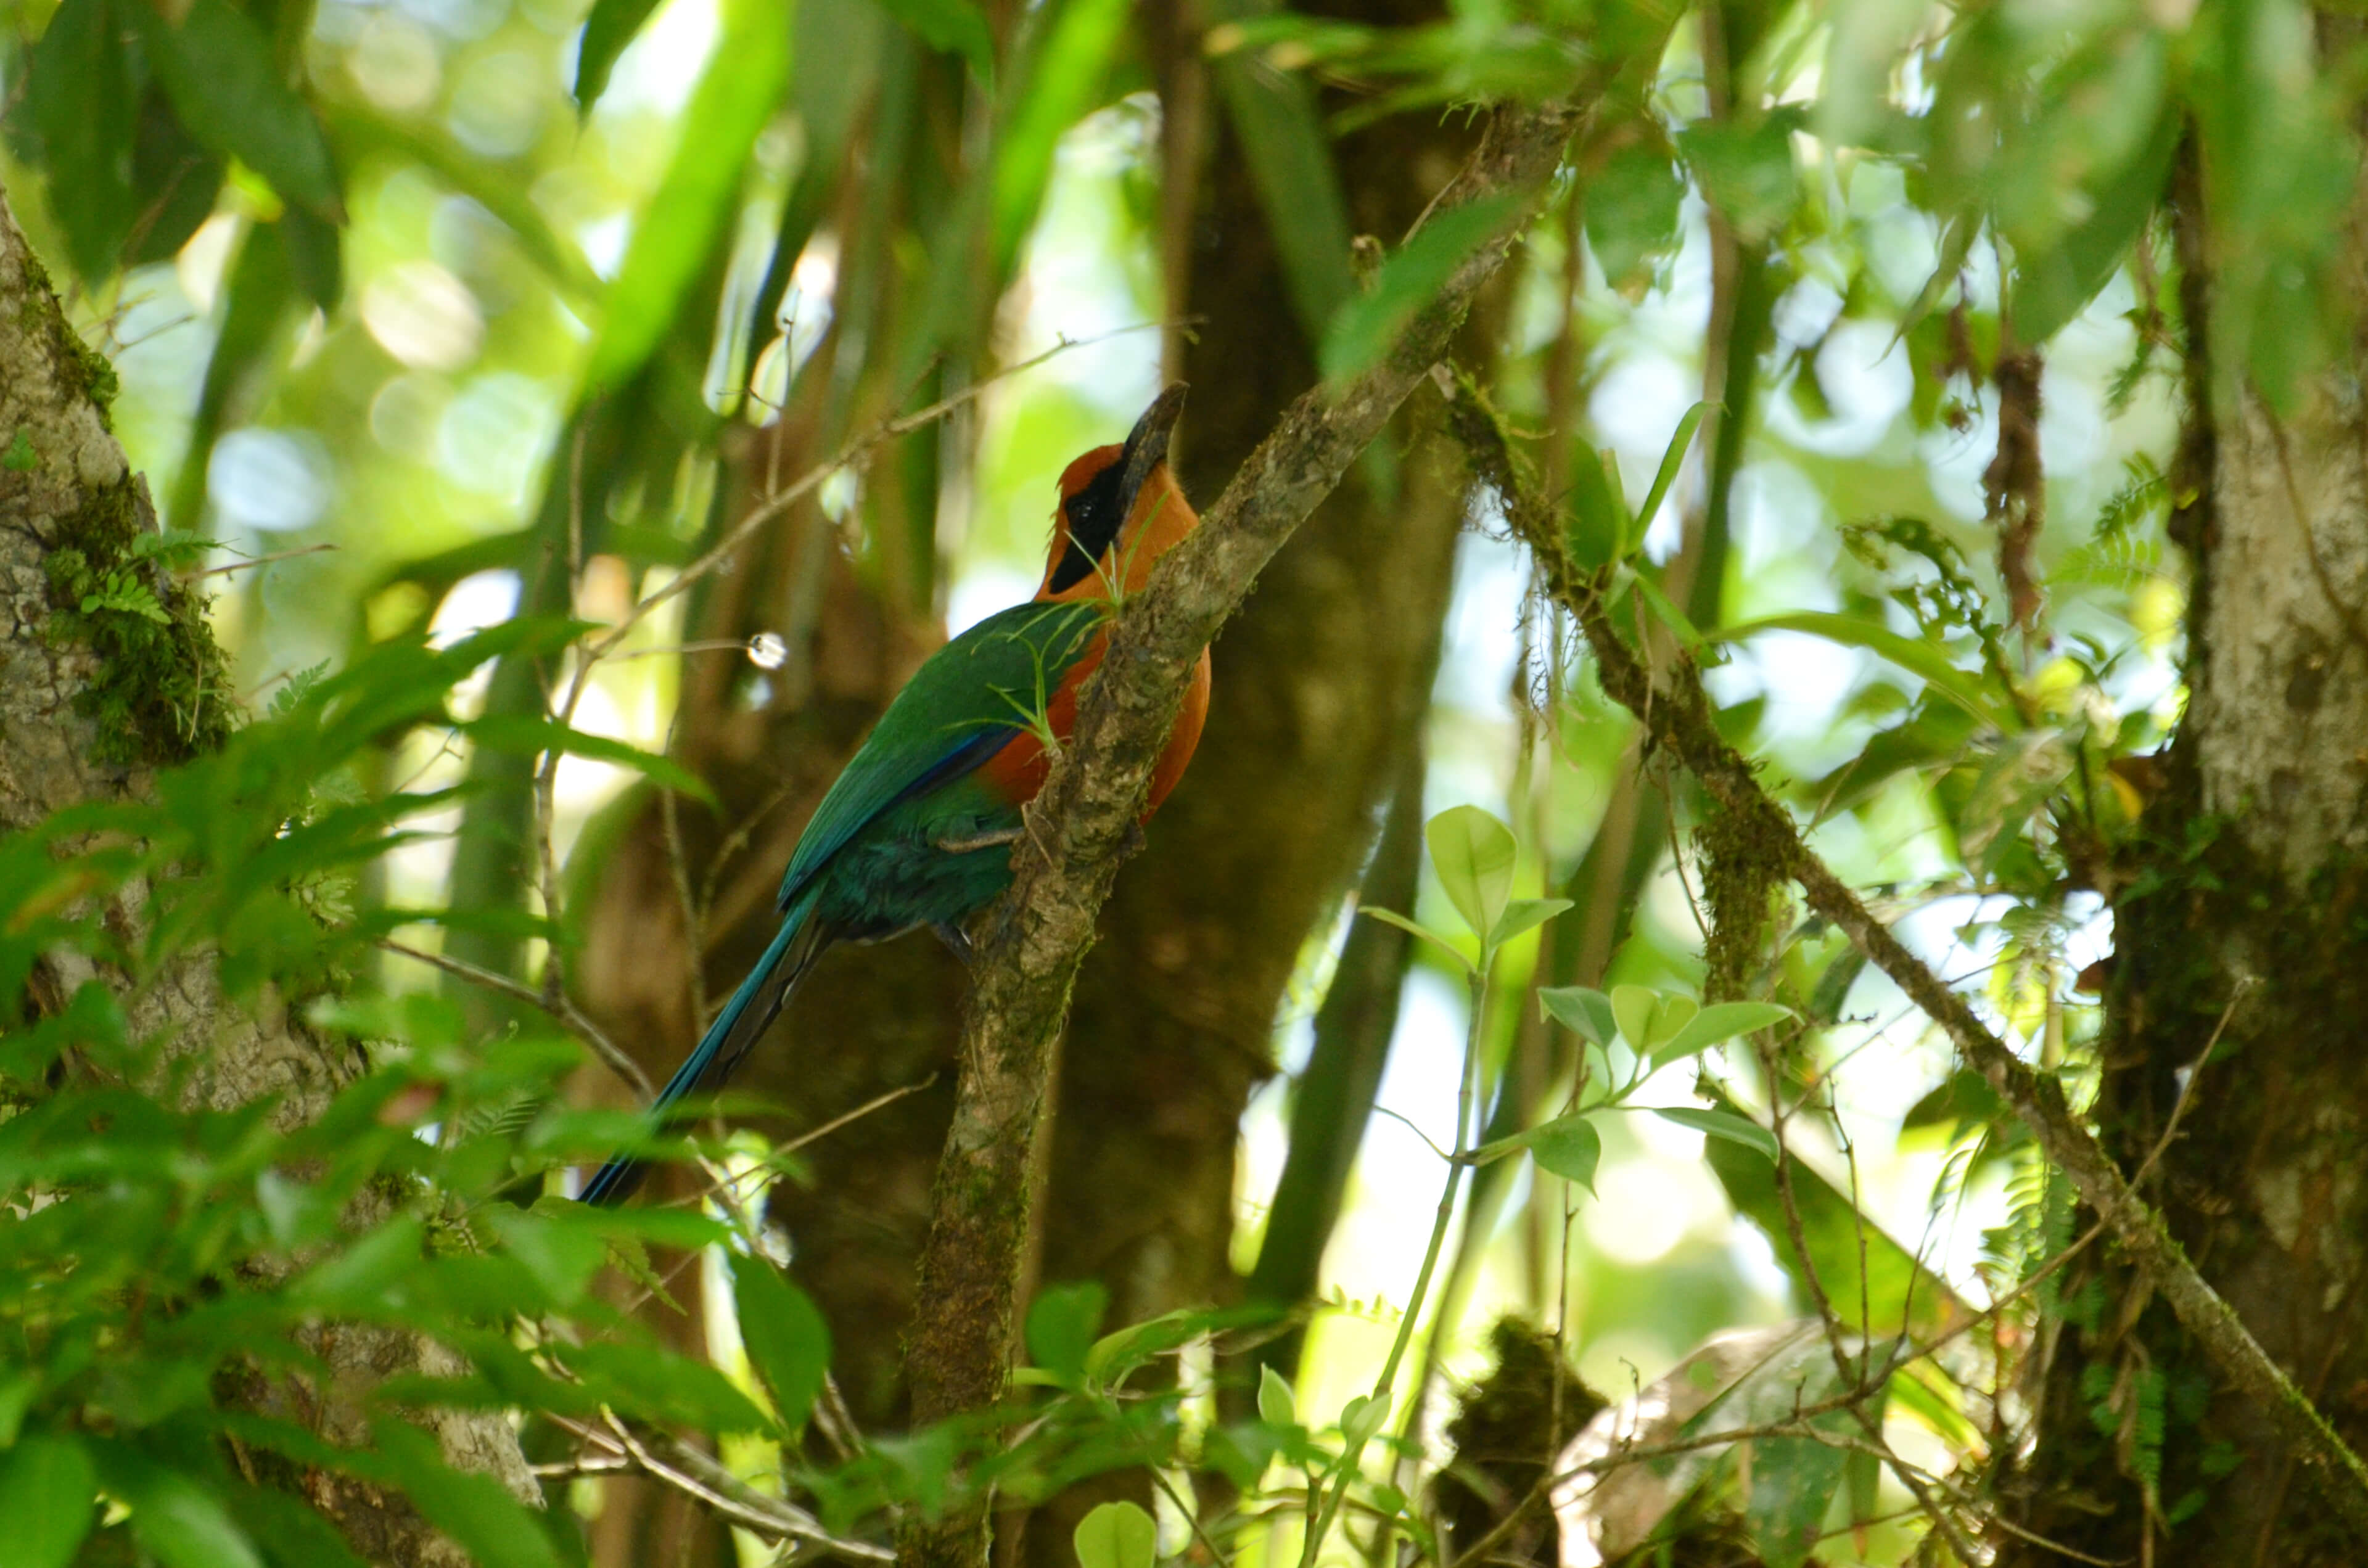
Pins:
<point x="963" y="844"/>
<point x="956" y="940"/>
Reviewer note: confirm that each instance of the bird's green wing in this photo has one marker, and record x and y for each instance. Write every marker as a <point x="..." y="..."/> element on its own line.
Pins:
<point x="965" y="701"/>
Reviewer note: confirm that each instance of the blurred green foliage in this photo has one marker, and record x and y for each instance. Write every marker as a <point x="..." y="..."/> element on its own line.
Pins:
<point x="481" y="293"/>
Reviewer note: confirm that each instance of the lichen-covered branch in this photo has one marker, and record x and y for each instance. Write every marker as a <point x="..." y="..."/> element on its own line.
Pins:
<point x="1677" y="715"/>
<point x="91" y="701"/>
<point x="1083" y="821"/>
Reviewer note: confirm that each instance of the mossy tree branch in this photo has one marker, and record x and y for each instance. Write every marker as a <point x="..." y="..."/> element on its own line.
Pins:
<point x="1084" y="821"/>
<point x="94" y="698"/>
<point x="1677" y="715"/>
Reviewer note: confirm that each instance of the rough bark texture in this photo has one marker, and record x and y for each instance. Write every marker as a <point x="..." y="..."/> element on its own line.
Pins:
<point x="66" y="702"/>
<point x="2253" y="931"/>
<point x="1037" y="934"/>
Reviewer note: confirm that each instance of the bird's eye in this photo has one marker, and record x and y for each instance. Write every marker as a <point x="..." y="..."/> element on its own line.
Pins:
<point x="1091" y="519"/>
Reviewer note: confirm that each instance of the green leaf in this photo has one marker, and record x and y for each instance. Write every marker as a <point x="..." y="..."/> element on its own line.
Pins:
<point x="953" y="26"/>
<point x="1364" y="330"/>
<point x="1523" y="914"/>
<point x="1635" y="1007"/>
<point x="1746" y="171"/>
<point x="562" y="1255"/>
<point x="1716" y="1023"/>
<point x="1362" y="1417"/>
<point x="176" y="1517"/>
<point x="475" y="1510"/>
<point x="1064" y="83"/>
<point x="1671" y="460"/>
<point x="361" y="1279"/>
<point x="79" y="97"/>
<point x="1720" y="1124"/>
<point x="788" y="1340"/>
<point x="1280" y="133"/>
<point x="1569" y="1147"/>
<point x="2055" y="283"/>
<point x="17" y="1392"/>
<point x="218" y="69"/>
<point x="1117" y="1535"/>
<point x="699" y="199"/>
<point x="608" y="29"/>
<point x="521" y="733"/>
<point x="1472" y="853"/>
<point x="1631" y="209"/>
<point x="1277" y="1406"/>
<point x="49" y="1495"/>
<point x="1062" y="1326"/>
<point x="1926" y="660"/>
<point x="1586" y="1012"/>
<point x="1391" y="917"/>
<point x="1600" y="531"/>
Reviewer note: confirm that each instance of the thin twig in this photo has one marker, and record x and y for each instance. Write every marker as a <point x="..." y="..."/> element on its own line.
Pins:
<point x="559" y="1007"/>
<point x="1678" y="714"/>
<point x="261" y="561"/>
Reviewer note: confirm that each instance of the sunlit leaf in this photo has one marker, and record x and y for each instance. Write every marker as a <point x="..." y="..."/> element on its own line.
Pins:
<point x="1718" y="1023"/>
<point x="1276" y="1405"/>
<point x="1672" y="459"/>
<point x="1444" y="944"/>
<point x="474" y="1509"/>
<point x="788" y="1341"/>
<point x="1473" y="854"/>
<point x="1117" y="1535"/>
<point x="1062" y="1326"/>
<point x="1063" y="81"/>
<point x="1720" y="1124"/>
<point x="1926" y="660"/>
<point x="1525" y="914"/>
<point x="695" y="203"/>
<point x="609" y="26"/>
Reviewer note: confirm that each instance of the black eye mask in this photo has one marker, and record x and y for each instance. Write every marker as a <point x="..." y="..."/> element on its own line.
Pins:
<point x="1091" y="519"/>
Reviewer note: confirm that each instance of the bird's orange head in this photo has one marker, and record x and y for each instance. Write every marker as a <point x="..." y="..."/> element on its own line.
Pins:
<point x="1121" y="510"/>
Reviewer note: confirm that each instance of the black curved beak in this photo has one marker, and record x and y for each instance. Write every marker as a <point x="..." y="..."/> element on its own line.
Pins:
<point x="1146" y="444"/>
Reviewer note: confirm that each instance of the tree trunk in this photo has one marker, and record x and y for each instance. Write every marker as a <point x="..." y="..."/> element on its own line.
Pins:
<point x="82" y="722"/>
<point x="2246" y="940"/>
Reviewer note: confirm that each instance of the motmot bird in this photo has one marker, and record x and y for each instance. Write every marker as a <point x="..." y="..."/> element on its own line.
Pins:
<point x="918" y="829"/>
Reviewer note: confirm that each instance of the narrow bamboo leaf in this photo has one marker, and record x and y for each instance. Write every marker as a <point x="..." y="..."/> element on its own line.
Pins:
<point x="314" y="262"/>
<point x="1664" y="610"/>
<point x="1716" y="1023"/>
<point x="954" y="27"/>
<point x="1282" y="139"/>
<point x="608" y="29"/>
<point x="1671" y="460"/>
<point x="78" y="93"/>
<point x="1064" y="83"/>
<point x="49" y="1494"/>
<point x="218" y="69"/>
<point x="788" y="1342"/>
<point x="1569" y="1147"/>
<point x="1391" y="917"/>
<point x="1720" y="1124"/>
<point x="740" y="91"/>
<point x="1277" y="1406"/>
<point x="1524" y="915"/>
<point x="1365" y="329"/>
<point x="1585" y="1012"/>
<point x="1117" y="1535"/>
<point x="516" y="732"/>
<point x="1472" y="853"/>
<point x="1924" y="660"/>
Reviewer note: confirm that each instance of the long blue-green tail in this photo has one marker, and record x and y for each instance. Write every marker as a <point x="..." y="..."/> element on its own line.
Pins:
<point x="744" y="1020"/>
